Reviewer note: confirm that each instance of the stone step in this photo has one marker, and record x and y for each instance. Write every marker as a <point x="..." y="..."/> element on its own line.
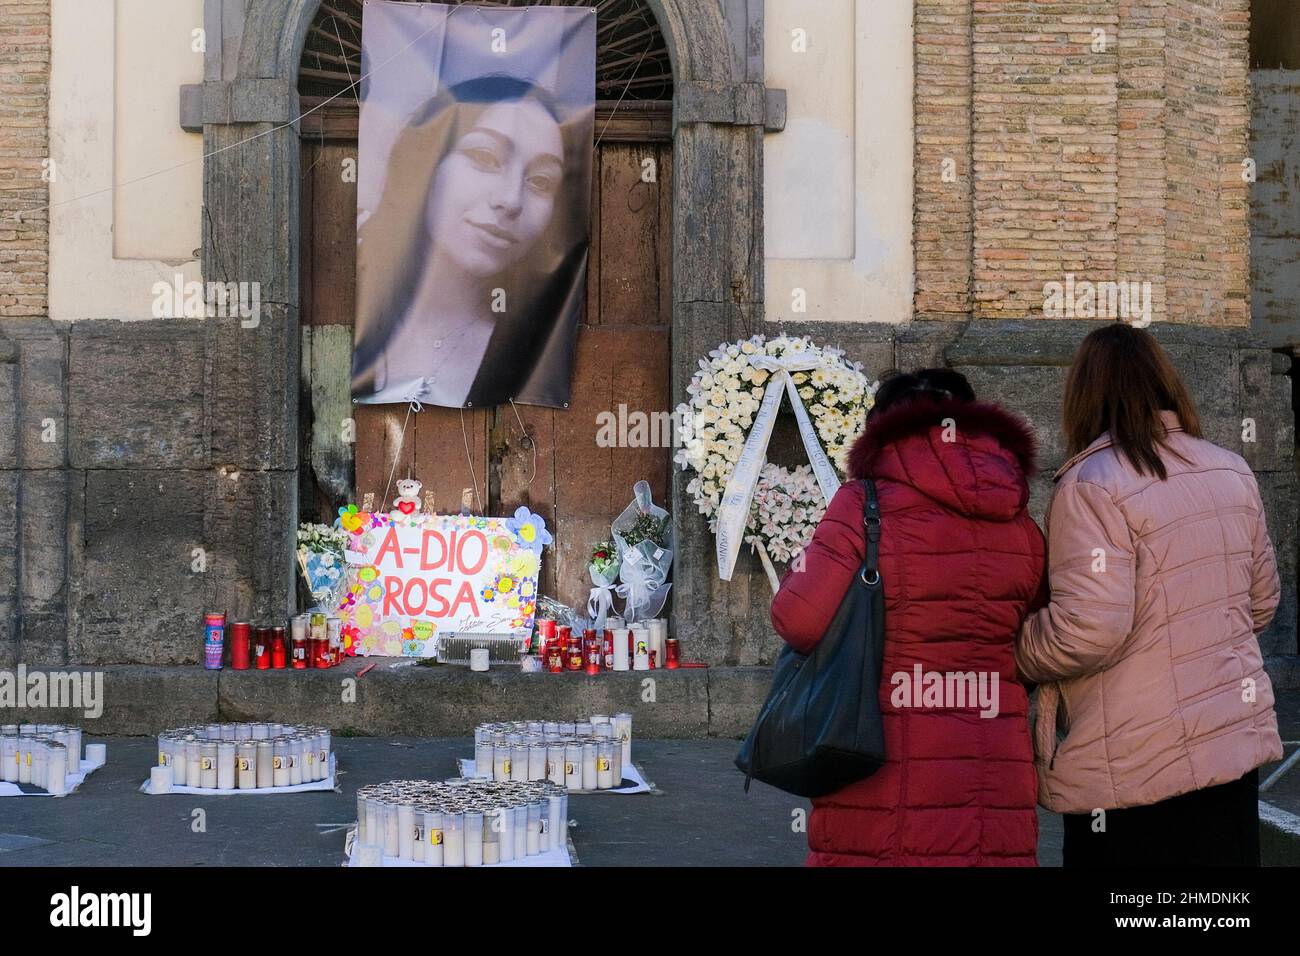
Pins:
<point x="401" y="698"/>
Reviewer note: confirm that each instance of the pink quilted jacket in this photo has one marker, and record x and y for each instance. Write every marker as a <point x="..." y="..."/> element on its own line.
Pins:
<point x="1153" y="681"/>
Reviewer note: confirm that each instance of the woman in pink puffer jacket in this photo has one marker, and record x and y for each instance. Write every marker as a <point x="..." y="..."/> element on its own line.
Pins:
<point x="1154" y="710"/>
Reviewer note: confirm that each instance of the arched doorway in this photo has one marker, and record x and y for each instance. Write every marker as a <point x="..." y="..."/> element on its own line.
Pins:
<point x="251" y="233"/>
<point x="495" y="460"/>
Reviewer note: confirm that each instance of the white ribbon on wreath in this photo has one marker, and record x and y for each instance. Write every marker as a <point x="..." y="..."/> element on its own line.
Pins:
<point x="733" y="509"/>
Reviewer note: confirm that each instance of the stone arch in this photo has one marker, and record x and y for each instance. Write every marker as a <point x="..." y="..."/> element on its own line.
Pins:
<point x="251" y="222"/>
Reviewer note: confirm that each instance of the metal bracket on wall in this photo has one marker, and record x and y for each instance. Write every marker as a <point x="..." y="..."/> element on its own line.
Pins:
<point x="740" y="104"/>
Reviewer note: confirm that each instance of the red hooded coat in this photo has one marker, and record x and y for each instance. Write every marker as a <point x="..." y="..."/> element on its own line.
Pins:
<point x="963" y="563"/>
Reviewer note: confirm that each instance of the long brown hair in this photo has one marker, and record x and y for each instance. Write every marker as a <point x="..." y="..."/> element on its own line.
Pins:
<point x="1120" y="381"/>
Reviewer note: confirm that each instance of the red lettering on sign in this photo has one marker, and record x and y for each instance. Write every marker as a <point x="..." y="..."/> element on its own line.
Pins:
<point x="434" y="595"/>
<point x="463" y="596"/>
<point x="425" y="563"/>
<point x="389" y="545"/>
<point x="392" y="594"/>
<point x="479" y="538"/>
<point x="411" y="607"/>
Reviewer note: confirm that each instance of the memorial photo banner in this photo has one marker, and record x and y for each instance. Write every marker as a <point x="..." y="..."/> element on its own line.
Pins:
<point x="473" y="202"/>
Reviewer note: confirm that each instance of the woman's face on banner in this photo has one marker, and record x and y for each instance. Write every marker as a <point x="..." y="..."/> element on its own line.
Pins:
<point x="493" y="195"/>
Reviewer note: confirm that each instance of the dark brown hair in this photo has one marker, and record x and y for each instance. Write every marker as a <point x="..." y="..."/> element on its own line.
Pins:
<point x="1120" y="381"/>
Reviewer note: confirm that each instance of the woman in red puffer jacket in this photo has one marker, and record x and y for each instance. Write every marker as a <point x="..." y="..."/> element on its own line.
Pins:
<point x="963" y="563"/>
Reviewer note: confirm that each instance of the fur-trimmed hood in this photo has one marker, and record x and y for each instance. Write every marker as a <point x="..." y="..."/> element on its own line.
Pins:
<point x="974" y="457"/>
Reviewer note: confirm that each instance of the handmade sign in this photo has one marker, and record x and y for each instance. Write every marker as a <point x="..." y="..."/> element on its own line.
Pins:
<point x="415" y="577"/>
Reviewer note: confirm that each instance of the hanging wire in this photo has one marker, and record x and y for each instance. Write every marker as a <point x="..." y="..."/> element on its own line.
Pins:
<point x="528" y="438"/>
<point x="469" y="458"/>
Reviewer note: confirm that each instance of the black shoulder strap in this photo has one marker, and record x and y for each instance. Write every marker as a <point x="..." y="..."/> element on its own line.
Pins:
<point x="871" y="518"/>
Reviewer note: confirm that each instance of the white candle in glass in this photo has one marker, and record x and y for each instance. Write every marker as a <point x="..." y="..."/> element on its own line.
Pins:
<point x="246" y="765"/>
<point x="573" y="765"/>
<point x="621" y="656"/>
<point x="589" y="779"/>
<point x="406" y="832"/>
<point x="392" y="835"/>
<point x="537" y="760"/>
<point x="280" y="763"/>
<point x="265" y="765"/>
<point x="501" y="764"/>
<point x="40" y="757"/>
<point x="374" y="820"/>
<point x="605" y="765"/>
<point x="555" y="821"/>
<point x="623" y="732"/>
<point x="9" y="758"/>
<point x="505" y="821"/>
<point x="160" y="779"/>
<point x="519" y="762"/>
<point x="555" y="762"/>
<point x="534" y="840"/>
<point x="433" y="837"/>
<point x="208" y="765"/>
<point x="56" y="769"/>
<point x="324" y="748"/>
<point x="307" y="758"/>
<point x="261" y="731"/>
<point x="473" y="837"/>
<point x="492" y="836"/>
<point x="640" y="649"/>
<point x="97" y="754"/>
<point x="453" y="834"/>
<point x="483" y="758"/>
<point x="74" y="751"/>
<point x="520" y="814"/>
<point x="417" y="834"/>
<point x="193" y="763"/>
<point x="226" y="758"/>
<point x="295" y="762"/>
<point x="618" y="763"/>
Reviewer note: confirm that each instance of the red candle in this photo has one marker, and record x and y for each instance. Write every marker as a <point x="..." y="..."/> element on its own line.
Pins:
<point x="278" y="653"/>
<point x="262" y="648"/>
<point x="240" y="632"/>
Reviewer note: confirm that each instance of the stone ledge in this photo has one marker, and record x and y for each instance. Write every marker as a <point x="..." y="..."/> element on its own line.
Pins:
<point x="410" y="700"/>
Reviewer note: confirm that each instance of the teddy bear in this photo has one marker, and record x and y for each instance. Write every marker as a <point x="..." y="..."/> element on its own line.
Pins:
<point x="408" y="501"/>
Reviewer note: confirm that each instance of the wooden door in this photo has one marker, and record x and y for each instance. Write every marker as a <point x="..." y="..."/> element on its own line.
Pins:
<point x="547" y="459"/>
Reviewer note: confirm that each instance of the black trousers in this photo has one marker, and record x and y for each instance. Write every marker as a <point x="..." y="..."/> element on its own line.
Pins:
<point x="1217" y="826"/>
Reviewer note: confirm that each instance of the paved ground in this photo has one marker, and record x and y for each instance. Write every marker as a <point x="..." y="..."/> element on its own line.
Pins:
<point x="702" y="816"/>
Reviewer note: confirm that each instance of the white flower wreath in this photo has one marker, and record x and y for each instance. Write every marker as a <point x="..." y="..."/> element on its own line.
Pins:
<point x="726" y="393"/>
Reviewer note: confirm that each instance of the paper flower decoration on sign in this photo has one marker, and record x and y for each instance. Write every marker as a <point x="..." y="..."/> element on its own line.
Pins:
<point x="726" y="426"/>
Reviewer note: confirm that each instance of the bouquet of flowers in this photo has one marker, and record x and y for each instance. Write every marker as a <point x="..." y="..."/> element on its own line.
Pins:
<point x="603" y="568"/>
<point x="321" y="560"/>
<point x="644" y="535"/>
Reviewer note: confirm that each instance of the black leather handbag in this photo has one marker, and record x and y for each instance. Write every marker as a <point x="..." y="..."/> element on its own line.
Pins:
<point x="820" y="728"/>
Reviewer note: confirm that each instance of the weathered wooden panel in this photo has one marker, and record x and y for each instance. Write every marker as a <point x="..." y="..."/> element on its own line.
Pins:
<point x="547" y="459"/>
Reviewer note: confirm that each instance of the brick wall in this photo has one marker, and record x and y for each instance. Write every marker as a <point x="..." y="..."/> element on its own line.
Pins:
<point x="1102" y="138"/>
<point x="24" y="99"/>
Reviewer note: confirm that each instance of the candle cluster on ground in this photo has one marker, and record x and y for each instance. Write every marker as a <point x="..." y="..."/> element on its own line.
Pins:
<point x="460" y="822"/>
<point x="241" y="757"/>
<point x="583" y="755"/>
<point x="42" y="755"/>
